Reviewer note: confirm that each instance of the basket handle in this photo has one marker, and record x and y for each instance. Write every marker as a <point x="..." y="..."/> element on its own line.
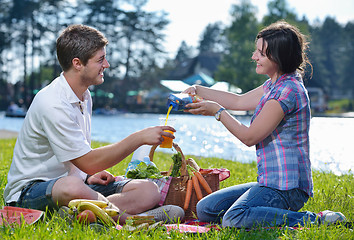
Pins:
<point x="183" y="168"/>
<point x="152" y="151"/>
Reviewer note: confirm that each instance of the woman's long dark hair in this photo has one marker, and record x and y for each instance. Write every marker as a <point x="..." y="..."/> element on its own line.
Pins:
<point x="286" y="46"/>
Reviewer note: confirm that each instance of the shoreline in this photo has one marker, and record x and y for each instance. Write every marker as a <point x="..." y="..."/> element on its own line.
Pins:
<point x="7" y="134"/>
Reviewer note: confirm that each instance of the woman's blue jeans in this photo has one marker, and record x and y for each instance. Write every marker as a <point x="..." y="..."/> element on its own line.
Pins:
<point x="248" y="205"/>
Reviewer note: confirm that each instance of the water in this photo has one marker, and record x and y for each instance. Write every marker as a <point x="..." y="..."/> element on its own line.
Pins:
<point x="330" y="138"/>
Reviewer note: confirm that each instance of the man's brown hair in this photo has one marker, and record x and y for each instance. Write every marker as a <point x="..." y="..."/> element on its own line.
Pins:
<point x="78" y="41"/>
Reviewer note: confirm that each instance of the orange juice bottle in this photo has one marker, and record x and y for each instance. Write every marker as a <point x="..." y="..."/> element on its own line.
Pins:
<point x="167" y="142"/>
<point x="180" y="100"/>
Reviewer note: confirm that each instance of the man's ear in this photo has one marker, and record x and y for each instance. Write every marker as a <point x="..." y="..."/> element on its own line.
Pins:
<point x="77" y="64"/>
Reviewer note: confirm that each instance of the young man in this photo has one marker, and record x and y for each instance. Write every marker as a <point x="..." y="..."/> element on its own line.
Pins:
<point x="53" y="161"/>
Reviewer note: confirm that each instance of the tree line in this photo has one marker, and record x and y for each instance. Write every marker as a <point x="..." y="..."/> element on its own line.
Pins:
<point x="29" y="28"/>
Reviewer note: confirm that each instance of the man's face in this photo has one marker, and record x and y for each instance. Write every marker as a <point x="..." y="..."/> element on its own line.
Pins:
<point x="92" y="72"/>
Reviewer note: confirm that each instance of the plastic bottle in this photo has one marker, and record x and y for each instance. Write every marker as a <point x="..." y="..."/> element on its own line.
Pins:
<point x="140" y="155"/>
<point x="180" y="100"/>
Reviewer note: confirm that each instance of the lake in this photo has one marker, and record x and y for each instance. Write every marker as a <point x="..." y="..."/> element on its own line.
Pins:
<point x="331" y="138"/>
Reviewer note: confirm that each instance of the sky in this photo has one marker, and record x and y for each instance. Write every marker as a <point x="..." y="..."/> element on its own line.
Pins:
<point x="188" y="18"/>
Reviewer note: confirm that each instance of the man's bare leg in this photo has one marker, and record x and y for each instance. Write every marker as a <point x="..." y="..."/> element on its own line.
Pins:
<point x="137" y="196"/>
<point x="67" y="188"/>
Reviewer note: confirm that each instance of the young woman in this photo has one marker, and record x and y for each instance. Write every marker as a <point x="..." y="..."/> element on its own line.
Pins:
<point x="280" y="131"/>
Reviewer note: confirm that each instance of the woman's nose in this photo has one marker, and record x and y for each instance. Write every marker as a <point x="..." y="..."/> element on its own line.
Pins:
<point x="254" y="56"/>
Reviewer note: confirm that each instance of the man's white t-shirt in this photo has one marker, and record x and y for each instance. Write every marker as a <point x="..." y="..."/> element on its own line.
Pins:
<point x="57" y="129"/>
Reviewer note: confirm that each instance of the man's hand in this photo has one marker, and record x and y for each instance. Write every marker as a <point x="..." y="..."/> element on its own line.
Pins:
<point x="153" y="135"/>
<point x="102" y="178"/>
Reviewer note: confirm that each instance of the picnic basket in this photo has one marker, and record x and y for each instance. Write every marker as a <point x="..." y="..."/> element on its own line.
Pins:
<point x="177" y="191"/>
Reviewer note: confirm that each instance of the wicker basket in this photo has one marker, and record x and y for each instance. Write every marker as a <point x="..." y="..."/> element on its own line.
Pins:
<point x="177" y="191"/>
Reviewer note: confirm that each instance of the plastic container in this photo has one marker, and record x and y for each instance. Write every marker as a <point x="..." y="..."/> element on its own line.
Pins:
<point x="167" y="142"/>
<point x="140" y="155"/>
<point x="180" y="100"/>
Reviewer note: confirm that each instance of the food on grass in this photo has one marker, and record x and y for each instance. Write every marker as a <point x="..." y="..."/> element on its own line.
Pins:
<point x="203" y="182"/>
<point x="177" y="163"/>
<point x="16" y="215"/>
<point x="76" y="202"/>
<point x="99" y="212"/>
<point x="111" y="212"/>
<point x="155" y="225"/>
<point x="82" y="205"/>
<point x="182" y="161"/>
<point x="143" y="171"/>
<point x="196" y="186"/>
<point x="188" y="194"/>
<point x="138" y="220"/>
<point x="136" y="228"/>
<point x="86" y="216"/>
<point x="191" y="162"/>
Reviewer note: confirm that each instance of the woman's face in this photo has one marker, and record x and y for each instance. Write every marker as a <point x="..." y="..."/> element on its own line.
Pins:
<point x="264" y="64"/>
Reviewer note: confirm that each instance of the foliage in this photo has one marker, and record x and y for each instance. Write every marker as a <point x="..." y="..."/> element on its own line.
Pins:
<point x="28" y="30"/>
<point x="329" y="52"/>
<point x="331" y="192"/>
<point x="135" y="41"/>
<point x="278" y="9"/>
<point x="212" y="39"/>
<point x="177" y="163"/>
<point x="183" y="52"/>
<point x="143" y="171"/>
<point x="347" y="50"/>
<point x="327" y="41"/>
<point x="236" y="66"/>
<point x="341" y="106"/>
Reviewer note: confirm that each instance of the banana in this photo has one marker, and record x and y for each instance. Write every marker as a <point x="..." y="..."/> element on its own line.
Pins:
<point x="99" y="212"/>
<point x="111" y="212"/>
<point x="75" y="202"/>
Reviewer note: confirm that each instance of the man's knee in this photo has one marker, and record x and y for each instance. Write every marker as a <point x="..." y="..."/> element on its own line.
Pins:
<point x="151" y="190"/>
<point x="146" y="189"/>
<point x="68" y="188"/>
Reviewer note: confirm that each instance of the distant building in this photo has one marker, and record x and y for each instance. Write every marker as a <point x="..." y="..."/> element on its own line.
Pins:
<point x="206" y="63"/>
<point x="318" y="101"/>
<point x="200" y="79"/>
<point x="198" y="70"/>
<point x="176" y="86"/>
<point x="318" y="96"/>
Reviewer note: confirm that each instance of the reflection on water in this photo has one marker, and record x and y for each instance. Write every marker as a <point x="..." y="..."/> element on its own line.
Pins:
<point x="332" y="144"/>
<point x="196" y="135"/>
<point x="331" y="138"/>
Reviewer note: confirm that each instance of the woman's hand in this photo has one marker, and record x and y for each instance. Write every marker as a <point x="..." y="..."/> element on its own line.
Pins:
<point x="191" y="90"/>
<point x="102" y="178"/>
<point x="206" y="108"/>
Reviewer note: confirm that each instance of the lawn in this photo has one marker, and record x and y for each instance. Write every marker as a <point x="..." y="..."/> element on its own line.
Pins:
<point x="331" y="192"/>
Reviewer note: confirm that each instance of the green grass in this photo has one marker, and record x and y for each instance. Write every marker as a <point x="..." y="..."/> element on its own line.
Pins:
<point x="331" y="192"/>
<point x="340" y="106"/>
